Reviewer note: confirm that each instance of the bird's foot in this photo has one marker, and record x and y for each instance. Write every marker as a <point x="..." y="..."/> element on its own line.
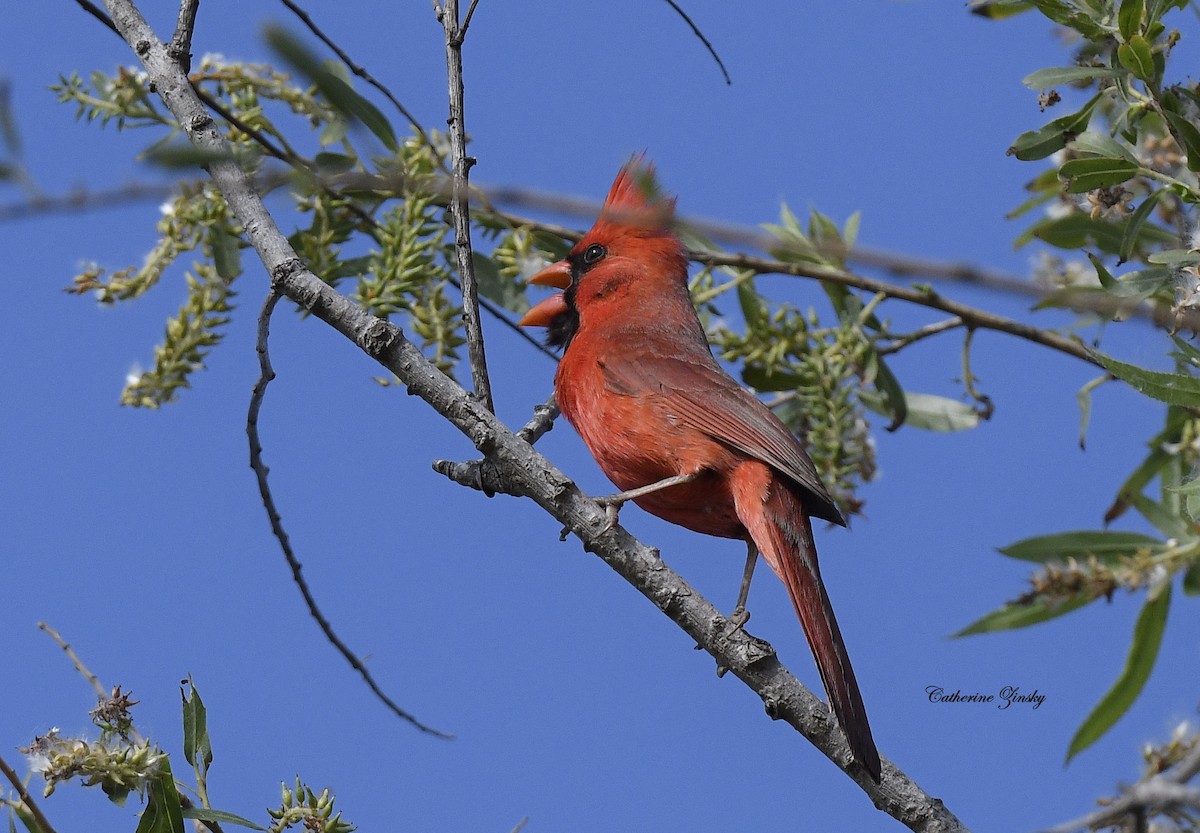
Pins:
<point x="739" y="618"/>
<point x="612" y="509"/>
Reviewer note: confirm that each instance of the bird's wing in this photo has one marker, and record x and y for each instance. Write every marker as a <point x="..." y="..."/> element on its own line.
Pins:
<point x="699" y="393"/>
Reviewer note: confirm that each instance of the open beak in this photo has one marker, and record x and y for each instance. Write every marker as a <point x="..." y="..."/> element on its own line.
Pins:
<point x="557" y="275"/>
<point x="545" y="312"/>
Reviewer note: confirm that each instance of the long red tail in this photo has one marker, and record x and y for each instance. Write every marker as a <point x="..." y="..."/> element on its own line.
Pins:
<point x="781" y="530"/>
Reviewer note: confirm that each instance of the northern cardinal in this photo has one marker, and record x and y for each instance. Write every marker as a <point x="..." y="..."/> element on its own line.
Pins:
<point x="674" y="431"/>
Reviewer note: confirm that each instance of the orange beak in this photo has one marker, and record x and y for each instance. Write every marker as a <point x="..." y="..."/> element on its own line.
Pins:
<point x="545" y="312"/>
<point x="557" y="275"/>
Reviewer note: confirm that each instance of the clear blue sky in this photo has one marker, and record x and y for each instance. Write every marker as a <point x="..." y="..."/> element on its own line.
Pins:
<point x="140" y="535"/>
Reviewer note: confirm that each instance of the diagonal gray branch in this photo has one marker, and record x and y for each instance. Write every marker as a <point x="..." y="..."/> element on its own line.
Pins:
<point x="526" y="472"/>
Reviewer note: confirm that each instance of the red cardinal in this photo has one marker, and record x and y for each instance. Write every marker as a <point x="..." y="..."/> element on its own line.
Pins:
<point x="673" y="430"/>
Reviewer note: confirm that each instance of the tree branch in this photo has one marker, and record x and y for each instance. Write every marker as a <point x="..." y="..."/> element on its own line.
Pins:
<point x="180" y="48"/>
<point x="527" y="472"/>
<point x="267" y="375"/>
<point x="447" y="14"/>
<point x="25" y="797"/>
<point x="1163" y="792"/>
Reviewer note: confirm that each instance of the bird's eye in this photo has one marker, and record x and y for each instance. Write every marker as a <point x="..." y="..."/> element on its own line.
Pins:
<point x="594" y="254"/>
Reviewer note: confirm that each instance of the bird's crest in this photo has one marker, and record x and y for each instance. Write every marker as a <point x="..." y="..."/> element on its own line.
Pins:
<point x="635" y="199"/>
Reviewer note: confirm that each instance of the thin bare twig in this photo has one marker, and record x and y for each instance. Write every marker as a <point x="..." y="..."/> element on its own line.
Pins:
<point x="75" y="660"/>
<point x="900" y="341"/>
<point x="528" y="473"/>
<point x="696" y="31"/>
<point x="476" y="354"/>
<point x="180" y="48"/>
<point x="25" y="797"/>
<point x="267" y="374"/>
<point x="358" y="70"/>
<point x="971" y="316"/>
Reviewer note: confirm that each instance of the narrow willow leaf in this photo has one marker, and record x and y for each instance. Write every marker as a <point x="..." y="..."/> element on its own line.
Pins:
<point x="1135" y="223"/>
<point x="888" y="386"/>
<point x="752" y="306"/>
<point x="226" y="253"/>
<point x="197" y="748"/>
<point x="1190" y="136"/>
<point x="1136" y="57"/>
<point x="1172" y="388"/>
<point x="1175" y="258"/>
<point x="1165" y="519"/>
<point x="1105" y="277"/>
<point x="186" y="155"/>
<point x="1129" y="18"/>
<point x="1054" y="76"/>
<point x="926" y="411"/>
<point x="769" y="381"/>
<point x="205" y="814"/>
<point x="1188" y="352"/>
<point x="335" y="89"/>
<point x="1066" y="14"/>
<point x="163" y="813"/>
<point x="1101" y="144"/>
<point x="999" y="9"/>
<point x="1038" y="144"/>
<point x="1109" y="547"/>
<point x="1147" y="637"/>
<point x="1088" y="174"/>
<point x="1191" y="580"/>
<point x="1013" y="615"/>
<point x="1084" y="397"/>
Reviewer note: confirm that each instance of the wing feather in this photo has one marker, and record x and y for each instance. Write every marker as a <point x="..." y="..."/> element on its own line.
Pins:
<point x="702" y="395"/>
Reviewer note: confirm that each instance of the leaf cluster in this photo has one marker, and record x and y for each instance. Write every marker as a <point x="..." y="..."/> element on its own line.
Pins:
<point x="1121" y="190"/>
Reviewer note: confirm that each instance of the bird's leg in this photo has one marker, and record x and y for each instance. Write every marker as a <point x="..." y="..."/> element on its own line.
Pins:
<point x="612" y="503"/>
<point x="740" y="615"/>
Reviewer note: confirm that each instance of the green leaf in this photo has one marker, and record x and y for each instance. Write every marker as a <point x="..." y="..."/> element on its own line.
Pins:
<point x="339" y="93"/>
<point x="926" y="411"/>
<point x="1014" y="615"/>
<point x="334" y="163"/>
<point x="1101" y="144"/>
<point x="1134" y="225"/>
<point x="1109" y="547"/>
<point x="1088" y="174"/>
<point x="185" y="155"/>
<point x="999" y="9"/>
<point x="205" y="814"/>
<point x="163" y="813"/>
<point x="1191" y="580"/>
<point x="775" y="379"/>
<point x="1172" y="388"/>
<point x="1190" y="136"/>
<point x="1136" y="57"/>
<point x="1105" y="277"/>
<point x="495" y="287"/>
<point x="197" y="748"/>
<point x="1150" y="467"/>
<point x="753" y="309"/>
<point x="1066" y="14"/>
<point x="1038" y="144"/>
<point x="1054" y="76"/>
<point x="1084" y="397"/>
<point x="1129" y="18"/>
<point x="1175" y="258"/>
<point x="226" y="252"/>
<point x="894" y="400"/>
<point x="1147" y="637"/>
<point x="1165" y="519"/>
